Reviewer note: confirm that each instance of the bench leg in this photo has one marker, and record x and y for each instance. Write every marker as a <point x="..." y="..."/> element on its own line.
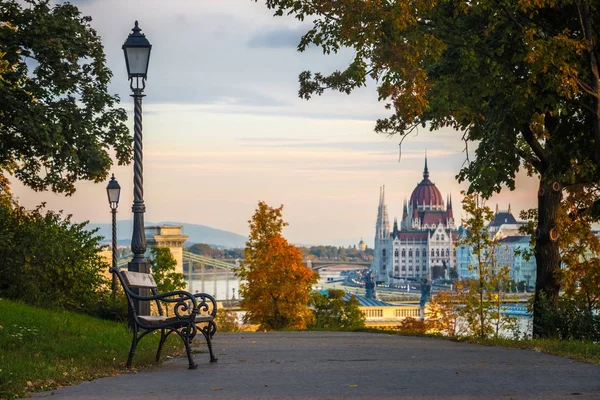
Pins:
<point x="185" y="335"/>
<point x="207" y="335"/>
<point x="188" y="351"/>
<point x="134" y="343"/>
<point x="163" y="338"/>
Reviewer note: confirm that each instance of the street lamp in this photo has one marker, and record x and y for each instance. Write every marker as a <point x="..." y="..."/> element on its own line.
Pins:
<point x="137" y="54"/>
<point x="113" y="190"/>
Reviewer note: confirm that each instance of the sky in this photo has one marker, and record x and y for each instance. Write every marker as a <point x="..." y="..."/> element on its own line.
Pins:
<point x="224" y="129"/>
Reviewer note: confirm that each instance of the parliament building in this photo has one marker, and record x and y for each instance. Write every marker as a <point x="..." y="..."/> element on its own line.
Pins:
<point x="422" y="246"/>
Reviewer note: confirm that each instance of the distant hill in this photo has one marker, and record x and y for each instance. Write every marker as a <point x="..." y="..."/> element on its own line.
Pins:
<point x="197" y="233"/>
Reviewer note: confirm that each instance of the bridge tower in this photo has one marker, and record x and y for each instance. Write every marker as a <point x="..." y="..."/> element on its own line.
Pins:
<point x="168" y="236"/>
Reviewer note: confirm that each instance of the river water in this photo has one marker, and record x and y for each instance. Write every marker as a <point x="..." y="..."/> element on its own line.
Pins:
<point x="222" y="285"/>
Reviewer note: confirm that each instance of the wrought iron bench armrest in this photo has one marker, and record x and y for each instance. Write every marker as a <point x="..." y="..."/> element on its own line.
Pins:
<point x="206" y="304"/>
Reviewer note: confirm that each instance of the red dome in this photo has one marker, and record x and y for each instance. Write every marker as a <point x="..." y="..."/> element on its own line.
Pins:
<point x="426" y="193"/>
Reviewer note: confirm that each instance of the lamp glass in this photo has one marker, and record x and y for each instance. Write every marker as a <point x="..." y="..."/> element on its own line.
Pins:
<point x="113" y="190"/>
<point x="113" y="195"/>
<point x="137" y="60"/>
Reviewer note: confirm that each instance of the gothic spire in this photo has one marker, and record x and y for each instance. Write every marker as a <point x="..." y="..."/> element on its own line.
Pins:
<point x="426" y="170"/>
<point x="382" y="228"/>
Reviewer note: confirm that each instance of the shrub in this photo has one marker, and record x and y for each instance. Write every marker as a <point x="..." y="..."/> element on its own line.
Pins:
<point x="333" y="312"/>
<point x="413" y="326"/>
<point x="227" y="321"/>
<point x="47" y="260"/>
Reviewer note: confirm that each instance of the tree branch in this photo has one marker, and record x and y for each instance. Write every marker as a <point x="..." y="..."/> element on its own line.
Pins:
<point x="536" y="147"/>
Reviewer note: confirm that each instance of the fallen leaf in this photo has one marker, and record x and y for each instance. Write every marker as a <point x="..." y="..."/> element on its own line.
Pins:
<point x="254" y="341"/>
<point x="217" y="388"/>
<point x="29" y="383"/>
<point x="458" y="372"/>
<point x="243" y="361"/>
<point x="352" y="385"/>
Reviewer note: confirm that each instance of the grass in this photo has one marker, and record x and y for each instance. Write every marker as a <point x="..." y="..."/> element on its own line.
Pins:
<point x="577" y="350"/>
<point x="46" y="349"/>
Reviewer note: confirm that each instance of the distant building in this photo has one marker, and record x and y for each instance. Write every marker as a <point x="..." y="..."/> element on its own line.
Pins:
<point x="423" y="245"/>
<point x="362" y="246"/>
<point x="168" y="236"/>
<point x="511" y="249"/>
<point x="381" y="315"/>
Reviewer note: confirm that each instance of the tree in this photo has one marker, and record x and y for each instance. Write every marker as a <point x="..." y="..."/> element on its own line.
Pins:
<point x="484" y="297"/>
<point x="276" y="283"/>
<point x="518" y="77"/>
<point x="57" y="119"/>
<point x="203" y="249"/>
<point x="580" y="273"/>
<point x="163" y="270"/>
<point x="334" y="313"/>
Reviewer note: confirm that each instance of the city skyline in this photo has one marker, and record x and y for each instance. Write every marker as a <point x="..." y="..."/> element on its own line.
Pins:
<point x="224" y="128"/>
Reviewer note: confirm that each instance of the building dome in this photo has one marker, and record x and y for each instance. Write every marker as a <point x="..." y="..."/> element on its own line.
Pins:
<point x="426" y="193"/>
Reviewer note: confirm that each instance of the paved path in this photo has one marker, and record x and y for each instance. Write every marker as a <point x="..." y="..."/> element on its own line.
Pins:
<point x="331" y="365"/>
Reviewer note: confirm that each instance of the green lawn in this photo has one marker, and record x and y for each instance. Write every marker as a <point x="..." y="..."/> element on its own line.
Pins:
<point x="44" y="349"/>
<point x="577" y="350"/>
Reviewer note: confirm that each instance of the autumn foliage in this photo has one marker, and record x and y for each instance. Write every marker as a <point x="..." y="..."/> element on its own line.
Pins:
<point x="275" y="282"/>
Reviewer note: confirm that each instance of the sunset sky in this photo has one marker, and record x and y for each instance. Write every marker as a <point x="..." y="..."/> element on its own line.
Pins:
<point x="224" y="128"/>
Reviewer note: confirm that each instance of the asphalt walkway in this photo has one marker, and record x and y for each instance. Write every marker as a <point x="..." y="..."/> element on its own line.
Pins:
<point x="332" y="365"/>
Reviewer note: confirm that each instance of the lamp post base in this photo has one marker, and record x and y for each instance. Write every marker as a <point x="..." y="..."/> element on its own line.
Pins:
<point x="144" y="306"/>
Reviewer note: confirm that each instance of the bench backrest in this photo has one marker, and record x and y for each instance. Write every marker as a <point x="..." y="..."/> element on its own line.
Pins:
<point x="138" y="280"/>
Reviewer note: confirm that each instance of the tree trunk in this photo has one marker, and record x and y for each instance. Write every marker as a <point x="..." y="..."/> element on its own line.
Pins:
<point x="547" y="257"/>
<point x="594" y="85"/>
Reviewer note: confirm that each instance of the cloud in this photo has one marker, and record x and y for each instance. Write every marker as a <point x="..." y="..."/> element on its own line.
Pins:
<point x="277" y="38"/>
<point x="219" y="95"/>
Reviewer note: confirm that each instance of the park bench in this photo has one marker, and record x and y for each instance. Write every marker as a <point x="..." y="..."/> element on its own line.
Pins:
<point x="192" y="313"/>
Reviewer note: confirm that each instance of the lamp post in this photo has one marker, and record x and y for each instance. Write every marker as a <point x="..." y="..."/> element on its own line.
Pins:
<point x="113" y="190"/>
<point x="137" y="54"/>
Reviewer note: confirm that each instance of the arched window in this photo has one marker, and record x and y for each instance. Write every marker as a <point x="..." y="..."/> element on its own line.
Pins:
<point x="417" y="268"/>
<point x="437" y="252"/>
<point x="396" y="253"/>
<point x="447" y="252"/>
<point x="410" y="252"/>
<point x="442" y="237"/>
<point x="403" y="253"/>
<point x="417" y="253"/>
<point x="383" y="253"/>
<point x="432" y="252"/>
<point x="437" y="237"/>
